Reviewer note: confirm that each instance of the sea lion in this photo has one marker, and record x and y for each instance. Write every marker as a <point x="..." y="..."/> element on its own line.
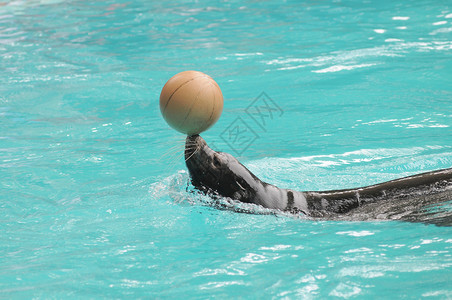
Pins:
<point x="219" y="173"/>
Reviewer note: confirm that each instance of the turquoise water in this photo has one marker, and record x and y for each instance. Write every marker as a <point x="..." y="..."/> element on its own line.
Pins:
<point x="93" y="185"/>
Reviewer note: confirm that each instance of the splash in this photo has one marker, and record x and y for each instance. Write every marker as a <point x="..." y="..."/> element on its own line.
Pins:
<point x="178" y="189"/>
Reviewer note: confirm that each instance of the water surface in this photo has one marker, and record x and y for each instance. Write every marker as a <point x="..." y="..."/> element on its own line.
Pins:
<point x="94" y="200"/>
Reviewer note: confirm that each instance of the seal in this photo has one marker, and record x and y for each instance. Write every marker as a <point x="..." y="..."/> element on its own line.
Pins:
<point x="219" y="173"/>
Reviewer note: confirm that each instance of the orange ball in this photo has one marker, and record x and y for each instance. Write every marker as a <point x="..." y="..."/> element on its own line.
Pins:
<point x="191" y="102"/>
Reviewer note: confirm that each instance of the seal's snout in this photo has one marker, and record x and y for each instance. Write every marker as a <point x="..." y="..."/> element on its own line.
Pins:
<point x="196" y="138"/>
<point x="193" y="144"/>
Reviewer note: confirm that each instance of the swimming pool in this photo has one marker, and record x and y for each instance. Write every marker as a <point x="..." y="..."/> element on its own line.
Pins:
<point x="94" y="186"/>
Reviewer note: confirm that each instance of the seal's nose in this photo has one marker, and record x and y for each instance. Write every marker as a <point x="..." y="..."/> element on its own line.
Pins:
<point x="192" y="143"/>
<point x="195" y="140"/>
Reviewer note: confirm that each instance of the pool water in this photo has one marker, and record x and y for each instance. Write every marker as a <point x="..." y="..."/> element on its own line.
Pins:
<point x="95" y="200"/>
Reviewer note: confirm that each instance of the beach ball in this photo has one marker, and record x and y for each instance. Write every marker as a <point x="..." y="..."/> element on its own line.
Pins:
<point x="191" y="102"/>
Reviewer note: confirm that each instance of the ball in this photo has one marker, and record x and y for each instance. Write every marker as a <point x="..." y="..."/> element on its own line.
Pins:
<point x="191" y="102"/>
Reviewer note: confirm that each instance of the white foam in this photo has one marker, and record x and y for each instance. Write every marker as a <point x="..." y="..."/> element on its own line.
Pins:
<point x="439" y="23"/>
<point x="393" y="40"/>
<point x="400" y="18"/>
<point x="248" y="54"/>
<point x="338" y="68"/>
<point x="441" y="30"/>
<point x="380" y="31"/>
<point x="356" y="233"/>
<point x="358" y="58"/>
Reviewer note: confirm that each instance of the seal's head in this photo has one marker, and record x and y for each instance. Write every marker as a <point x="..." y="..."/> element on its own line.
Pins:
<point x="217" y="172"/>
